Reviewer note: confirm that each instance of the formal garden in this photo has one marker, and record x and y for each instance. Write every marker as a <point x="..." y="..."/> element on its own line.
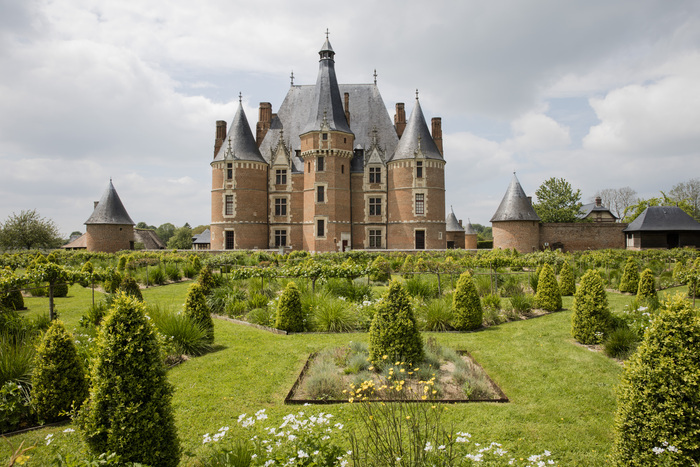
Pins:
<point x="435" y="358"/>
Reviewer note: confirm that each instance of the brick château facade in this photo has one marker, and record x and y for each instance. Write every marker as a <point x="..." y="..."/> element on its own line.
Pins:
<point x="329" y="171"/>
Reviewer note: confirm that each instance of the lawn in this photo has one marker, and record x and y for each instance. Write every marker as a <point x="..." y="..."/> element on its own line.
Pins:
<point x="561" y="394"/>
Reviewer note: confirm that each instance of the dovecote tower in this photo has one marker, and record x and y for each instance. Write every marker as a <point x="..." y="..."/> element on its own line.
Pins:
<point x="109" y="228"/>
<point x="515" y="223"/>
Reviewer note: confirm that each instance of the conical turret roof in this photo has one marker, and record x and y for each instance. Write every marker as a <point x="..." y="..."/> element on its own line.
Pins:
<point x="327" y="110"/>
<point x="110" y="210"/>
<point x="416" y="136"/>
<point x="469" y="229"/>
<point x="240" y="143"/>
<point x="515" y="206"/>
<point x="452" y="224"/>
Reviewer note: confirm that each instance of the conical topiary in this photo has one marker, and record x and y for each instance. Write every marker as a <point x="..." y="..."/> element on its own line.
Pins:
<point x="131" y="288"/>
<point x="394" y="331"/>
<point x="630" y="277"/>
<point x="58" y="380"/>
<point x="290" y="316"/>
<point x="468" y="313"/>
<point x="658" y="395"/>
<point x="196" y="308"/>
<point x="380" y="269"/>
<point x="646" y="289"/>
<point x="548" y="296"/>
<point x="591" y="316"/>
<point x="567" y="284"/>
<point x="129" y="410"/>
<point x="206" y="280"/>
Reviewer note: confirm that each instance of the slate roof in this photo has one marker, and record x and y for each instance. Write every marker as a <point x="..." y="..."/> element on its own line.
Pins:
<point x="110" y="209"/>
<point x="515" y="205"/>
<point x="416" y="135"/>
<point x="77" y="243"/>
<point x="452" y="224"/>
<point x="202" y="239"/>
<point x="239" y="143"/>
<point x="469" y="229"/>
<point x="587" y="209"/>
<point x="149" y="238"/>
<point x="663" y="218"/>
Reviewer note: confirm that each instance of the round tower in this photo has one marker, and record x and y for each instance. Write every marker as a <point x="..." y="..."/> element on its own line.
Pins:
<point x="238" y="189"/>
<point x="416" y="189"/>
<point x="471" y="240"/>
<point x="454" y="231"/>
<point x="109" y="228"/>
<point x="516" y="224"/>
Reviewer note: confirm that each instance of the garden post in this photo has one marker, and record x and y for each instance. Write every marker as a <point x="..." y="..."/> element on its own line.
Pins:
<point x="51" y="313"/>
<point x="147" y="283"/>
<point x="439" y="288"/>
<point x="92" y="286"/>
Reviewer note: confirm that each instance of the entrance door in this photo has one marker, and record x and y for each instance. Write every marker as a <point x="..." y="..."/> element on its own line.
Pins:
<point x="420" y="239"/>
<point x="229" y="240"/>
<point x="672" y="240"/>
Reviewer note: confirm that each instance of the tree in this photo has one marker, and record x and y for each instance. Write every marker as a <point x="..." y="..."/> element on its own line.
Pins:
<point x="182" y="239"/>
<point x="143" y="225"/>
<point x="617" y="199"/>
<point x="689" y="192"/>
<point x="557" y="201"/>
<point x="29" y="230"/>
<point x="165" y="231"/>
<point x="633" y="211"/>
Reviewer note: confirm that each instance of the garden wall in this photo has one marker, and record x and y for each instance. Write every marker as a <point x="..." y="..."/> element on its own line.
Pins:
<point x="583" y="235"/>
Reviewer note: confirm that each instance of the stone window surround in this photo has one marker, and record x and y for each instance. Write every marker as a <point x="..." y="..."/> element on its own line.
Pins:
<point x="283" y="233"/>
<point x="224" y="204"/>
<point x="325" y="227"/>
<point x="425" y="202"/>
<point x="382" y="236"/>
<point x="325" y="193"/>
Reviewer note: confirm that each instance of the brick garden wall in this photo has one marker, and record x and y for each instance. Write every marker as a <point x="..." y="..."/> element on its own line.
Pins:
<point x="583" y="235"/>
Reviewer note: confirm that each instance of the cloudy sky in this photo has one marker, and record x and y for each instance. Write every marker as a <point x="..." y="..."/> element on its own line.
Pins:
<point x="603" y="93"/>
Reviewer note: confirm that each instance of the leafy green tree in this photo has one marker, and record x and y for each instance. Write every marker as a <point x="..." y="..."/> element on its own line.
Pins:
<point x="557" y="201"/>
<point x="129" y="410"/>
<point x="688" y="192"/>
<point x="290" y="316"/>
<point x="468" y="313"/>
<point x="29" y="230"/>
<point x="567" y="284"/>
<point x="548" y="296"/>
<point x="196" y="308"/>
<point x="591" y="316"/>
<point x="181" y="239"/>
<point x="394" y="331"/>
<point x="381" y="269"/>
<point x="58" y="380"/>
<point x="165" y="231"/>
<point x="633" y="211"/>
<point x="630" y="277"/>
<point x="658" y="396"/>
<point x="143" y="225"/>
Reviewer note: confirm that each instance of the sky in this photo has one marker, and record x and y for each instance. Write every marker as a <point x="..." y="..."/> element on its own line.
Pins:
<point x="605" y="94"/>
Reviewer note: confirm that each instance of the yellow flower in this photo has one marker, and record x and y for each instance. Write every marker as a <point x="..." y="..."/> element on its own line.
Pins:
<point x="385" y="357"/>
<point x="408" y="417"/>
<point x="424" y="397"/>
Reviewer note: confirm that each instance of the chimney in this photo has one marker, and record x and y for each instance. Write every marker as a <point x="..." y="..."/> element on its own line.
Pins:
<point x="437" y="132"/>
<point x="347" y="107"/>
<point x="400" y="119"/>
<point x="460" y="222"/>
<point x="264" y="120"/>
<point x="220" y="135"/>
<point x="94" y="204"/>
<point x="598" y="201"/>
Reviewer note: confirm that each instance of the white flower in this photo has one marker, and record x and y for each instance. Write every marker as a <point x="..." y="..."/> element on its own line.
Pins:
<point x="428" y="446"/>
<point x="301" y="454"/>
<point x="49" y="438"/>
<point x="672" y="449"/>
<point x="68" y="430"/>
<point x="657" y="450"/>
<point x="260" y="414"/>
<point x="268" y="463"/>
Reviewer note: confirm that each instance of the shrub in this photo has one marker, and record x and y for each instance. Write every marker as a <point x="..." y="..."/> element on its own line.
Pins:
<point x="658" y="394"/>
<point x="548" y="296"/>
<point x="438" y="314"/>
<point x="647" y="288"/>
<point x="534" y="279"/>
<point x="381" y="270"/>
<point x="129" y="410"/>
<point x="394" y="331"/>
<point x="261" y="317"/>
<point x="184" y="335"/>
<point x="630" y="277"/>
<point x="15" y="407"/>
<point x="130" y="287"/>
<point x="491" y="302"/>
<point x="521" y="303"/>
<point x="60" y="290"/>
<point x="483" y="284"/>
<point x="466" y="304"/>
<point x="567" y="285"/>
<point x="172" y="270"/>
<point x="423" y="287"/>
<point x="196" y="264"/>
<point x="196" y="308"/>
<point x="206" y="280"/>
<point x="591" y="317"/>
<point x="12" y="299"/>
<point x="58" y="380"/>
<point x="94" y="315"/>
<point x="112" y="281"/>
<point x="332" y="315"/>
<point x="16" y="355"/>
<point x="257" y="300"/>
<point x="620" y="343"/>
<point x="289" y="314"/>
<point x="323" y="380"/>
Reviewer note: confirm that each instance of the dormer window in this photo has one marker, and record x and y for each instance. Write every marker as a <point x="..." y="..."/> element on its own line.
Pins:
<point x="281" y="177"/>
<point x="375" y="175"/>
<point x="325" y="136"/>
<point x="229" y="171"/>
<point x="419" y="169"/>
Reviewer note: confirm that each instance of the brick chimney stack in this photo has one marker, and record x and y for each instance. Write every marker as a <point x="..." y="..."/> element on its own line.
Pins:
<point x="220" y="135"/>
<point x="598" y="201"/>
<point x="437" y="132"/>
<point x="264" y="121"/>
<point x="347" y="107"/>
<point x="400" y="119"/>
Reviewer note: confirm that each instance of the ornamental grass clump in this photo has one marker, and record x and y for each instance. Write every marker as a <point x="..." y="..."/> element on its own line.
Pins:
<point x="58" y="380"/>
<point x="548" y="295"/>
<point x="290" y="316"/>
<point x="394" y="331"/>
<point x="129" y="410"/>
<point x="630" y="277"/>
<point x="197" y="309"/>
<point x="468" y="314"/>
<point x="567" y="284"/>
<point x="659" y="392"/>
<point x="590" y="319"/>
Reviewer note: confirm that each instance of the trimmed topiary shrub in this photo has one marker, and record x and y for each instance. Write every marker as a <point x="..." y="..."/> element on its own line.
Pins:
<point x="129" y="410"/>
<point x="548" y="296"/>
<point x="131" y="288"/>
<point x="380" y="270"/>
<point x="394" y="331"/>
<point x="468" y="313"/>
<point x="196" y="263"/>
<point x="658" y="396"/>
<point x="58" y="380"/>
<point x="206" y="280"/>
<point x="567" y="284"/>
<point x="630" y="277"/>
<point x="591" y="316"/>
<point x="60" y="289"/>
<point x="196" y="308"/>
<point x="646" y="289"/>
<point x="290" y="317"/>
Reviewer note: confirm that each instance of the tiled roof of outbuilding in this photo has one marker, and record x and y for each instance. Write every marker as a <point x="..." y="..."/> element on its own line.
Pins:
<point x="515" y="205"/>
<point x="149" y="238"/>
<point x="663" y="218"/>
<point x="110" y="209"/>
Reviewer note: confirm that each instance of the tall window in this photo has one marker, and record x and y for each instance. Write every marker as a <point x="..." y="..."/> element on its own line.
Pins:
<point x="280" y="238"/>
<point x="420" y="203"/>
<point x="375" y="238"/>
<point x="229" y="240"/>
<point x="229" y="171"/>
<point x="280" y="206"/>
<point x="229" y="205"/>
<point x="375" y="206"/>
<point x="375" y="175"/>
<point x="320" y="194"/>
<point x="281" y="177"/>
<point x="419" y="169"/>
<point x="320" y="164"/>
<point x="320" y="228"/>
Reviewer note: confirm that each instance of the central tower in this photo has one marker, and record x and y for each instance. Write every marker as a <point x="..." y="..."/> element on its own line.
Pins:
<point x="327" y="150"/>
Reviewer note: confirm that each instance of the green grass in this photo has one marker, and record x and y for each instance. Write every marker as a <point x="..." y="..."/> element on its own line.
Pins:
<point x="562" y="394"/>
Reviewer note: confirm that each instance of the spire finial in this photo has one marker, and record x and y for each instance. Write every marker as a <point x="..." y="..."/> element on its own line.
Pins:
<point x="292" y="77"/>
<point x="240" y="97"/>
<point x="327" y="33"/>
<point x="375" y="76"/>
<point x="416" y="93"/>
